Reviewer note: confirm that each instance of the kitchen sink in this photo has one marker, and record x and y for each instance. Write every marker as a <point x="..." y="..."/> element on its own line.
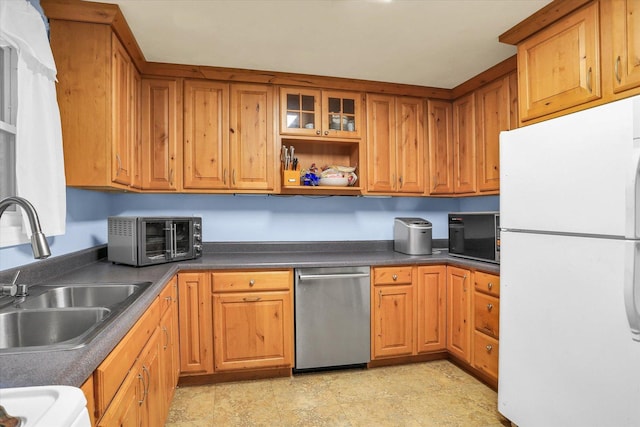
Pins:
<point x="61" y="317"/>
<point x="103" y="295"/>
<point x="36" y="328"/>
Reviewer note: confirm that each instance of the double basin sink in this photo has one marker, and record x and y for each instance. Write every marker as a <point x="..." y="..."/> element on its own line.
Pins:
<point x="64" y="316"/>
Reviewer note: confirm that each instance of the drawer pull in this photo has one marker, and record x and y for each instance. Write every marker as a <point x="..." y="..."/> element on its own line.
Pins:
<point x="252" y="282"/>
<point x="167" y="299"/>
<point x="489" y="307"/>
<point x="489" y="348"/>
<point x="256" y="299"/>
<point x="394" y="277"/>
<point x="618" y="78"/>
<point x="490" y="285"/>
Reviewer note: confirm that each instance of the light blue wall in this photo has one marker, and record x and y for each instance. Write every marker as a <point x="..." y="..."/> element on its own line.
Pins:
<point x="249" y="217"/>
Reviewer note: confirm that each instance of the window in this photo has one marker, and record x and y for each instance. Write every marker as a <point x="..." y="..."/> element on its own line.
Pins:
<point x="10" y="220"/>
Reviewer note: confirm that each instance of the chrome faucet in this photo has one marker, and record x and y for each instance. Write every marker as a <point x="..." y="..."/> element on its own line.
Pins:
<point x="39" y="243"/>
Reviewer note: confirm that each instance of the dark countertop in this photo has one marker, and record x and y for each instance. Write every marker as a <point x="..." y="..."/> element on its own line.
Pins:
<point x="73" y="367"/>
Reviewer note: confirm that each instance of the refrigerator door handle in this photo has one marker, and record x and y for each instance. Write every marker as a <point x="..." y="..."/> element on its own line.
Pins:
<point x="633" y="194"/>
<point x="632" y="288"/>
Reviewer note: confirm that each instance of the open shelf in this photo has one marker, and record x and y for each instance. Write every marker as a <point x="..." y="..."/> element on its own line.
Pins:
<point x="321" y="190"/>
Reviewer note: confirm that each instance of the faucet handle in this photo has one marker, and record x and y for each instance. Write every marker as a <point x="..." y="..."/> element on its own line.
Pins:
<point x="11" y="289"/>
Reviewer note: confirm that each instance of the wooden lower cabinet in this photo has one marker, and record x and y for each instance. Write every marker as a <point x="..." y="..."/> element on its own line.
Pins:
<point x="124" y="410"/>
<point x="169" y="349"/>
<point x="459" y="312"/>
<point x="235" y="321"/>
<point x="195" y="324"/>
<point x="88" y="390"/>
<point x="431" y="312"/>
<point x="393" y="321"/>
<point x="408" y="310"/>
<point x="253" y="330"/>
<point x="486" y="324"/>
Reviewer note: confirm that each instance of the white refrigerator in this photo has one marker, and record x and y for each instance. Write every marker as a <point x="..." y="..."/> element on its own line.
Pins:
<point x="570" y="270"/>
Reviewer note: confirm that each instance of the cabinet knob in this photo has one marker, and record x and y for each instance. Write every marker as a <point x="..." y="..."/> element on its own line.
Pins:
<point x="318" y="132"/>
<point x="252" y="282"/>
<point x="326" y="132"/>
<point x="490" y="285"/>
<point x="489" y="306"/>
<point x="489" y="348"/>
<point x="394" y="277"/>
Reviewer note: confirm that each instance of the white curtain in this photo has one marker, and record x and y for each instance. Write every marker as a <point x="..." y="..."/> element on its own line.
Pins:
<point x="39" y="158"/>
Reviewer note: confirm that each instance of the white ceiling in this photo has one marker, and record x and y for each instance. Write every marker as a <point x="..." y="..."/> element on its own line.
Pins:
<point x="438" y="43"/>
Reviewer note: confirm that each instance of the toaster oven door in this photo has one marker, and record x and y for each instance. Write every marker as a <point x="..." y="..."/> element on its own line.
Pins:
<point x="155" y="241"/>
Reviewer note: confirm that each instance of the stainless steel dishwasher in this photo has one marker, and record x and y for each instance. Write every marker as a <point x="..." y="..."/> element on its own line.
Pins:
<point x="332" y="311"/>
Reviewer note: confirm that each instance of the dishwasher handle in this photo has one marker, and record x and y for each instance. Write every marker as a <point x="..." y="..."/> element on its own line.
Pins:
<point x="332" y="276"/>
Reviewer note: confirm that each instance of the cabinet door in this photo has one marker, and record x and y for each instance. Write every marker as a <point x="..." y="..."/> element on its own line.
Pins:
<point x="300" y="112"/>
<point x="122" y="128"/>
<point x="410" y="144"/>
<point x="458" y="312"/>
<point x="381" y="151"/>
<point x="440" y="146"/>
<point x="195" y="324"/>
<point x="492" y="109"/>
<point x="136" y="122"/>
<point x="206" y="135"/>
<point x="464" y="144"/>
<point x="153" y="409"/>
<point x="341" y="114"/>
<point x="431" y="307"/>
<point x="253" y="330"/>
<point x="625" y="30"/>
<point x="252" y="139"/>
<point x="559" y="66"/>
<point x="392" y="321"/>
<point x="168" y="361"/>
<point x="125" y="409"/>
<point x="161" y="133"/>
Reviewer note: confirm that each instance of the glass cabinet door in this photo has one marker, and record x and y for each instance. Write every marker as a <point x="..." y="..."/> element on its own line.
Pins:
<point x="300" y="111"/>
<point x="341" y="114"/>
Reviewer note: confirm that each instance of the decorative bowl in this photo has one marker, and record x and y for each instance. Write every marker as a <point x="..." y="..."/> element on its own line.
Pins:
<point x="334" y="181"/>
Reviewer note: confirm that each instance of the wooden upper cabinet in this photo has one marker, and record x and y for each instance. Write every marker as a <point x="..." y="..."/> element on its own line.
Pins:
<point x="559" y="67"/>
<point x="395" y="144"/>
<point x="492" y="116"/>
<point x="123" y="131"/>
<point x="206" y="135"/>
<point x="381" y="150"/>
<point x="252" y="140"/>
<point x="315" y="112"/>
<point x="440" y="129"/>
<point x="464" y="144"/>
<point x="623" y="22"/>
<point x="410" y="144"/>
<point x="161" y="133"/>
<point x="96" y="92"/>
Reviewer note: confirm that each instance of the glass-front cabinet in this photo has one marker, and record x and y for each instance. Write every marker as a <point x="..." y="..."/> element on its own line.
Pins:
<point x="312" y="112"/>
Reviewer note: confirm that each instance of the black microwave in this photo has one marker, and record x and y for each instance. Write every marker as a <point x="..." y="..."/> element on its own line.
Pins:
<point x="475" y="235"/>
<point x="143" y="241"/>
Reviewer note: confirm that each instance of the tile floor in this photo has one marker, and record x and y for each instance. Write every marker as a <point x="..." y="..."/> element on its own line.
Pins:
<point x="424" y="394"/>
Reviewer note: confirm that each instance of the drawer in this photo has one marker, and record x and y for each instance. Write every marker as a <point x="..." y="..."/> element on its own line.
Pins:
<point x="112" y="371"/>
<point x="487" y="283"/>
<point x="238" y="281"/>
<point x="485" y="354"/>
<point x="168" y="295"/>
<point x="486" y="314"/>
<point x="392" y="275"/>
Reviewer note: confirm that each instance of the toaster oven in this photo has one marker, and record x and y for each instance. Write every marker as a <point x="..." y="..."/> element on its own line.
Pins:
<point x="140" y="241"/>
